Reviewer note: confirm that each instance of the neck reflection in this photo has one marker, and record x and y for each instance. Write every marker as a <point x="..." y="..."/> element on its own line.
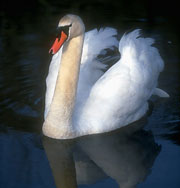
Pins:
<point x="126" y="155"/>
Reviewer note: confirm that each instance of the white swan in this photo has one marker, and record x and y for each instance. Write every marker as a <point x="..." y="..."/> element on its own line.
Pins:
<point x="81" y="99"/>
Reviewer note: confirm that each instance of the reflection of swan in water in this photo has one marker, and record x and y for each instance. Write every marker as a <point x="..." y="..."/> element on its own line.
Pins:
<point x="125" y="155"/>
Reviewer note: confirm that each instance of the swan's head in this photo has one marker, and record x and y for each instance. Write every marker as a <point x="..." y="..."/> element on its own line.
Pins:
<point x="70" y="26"/>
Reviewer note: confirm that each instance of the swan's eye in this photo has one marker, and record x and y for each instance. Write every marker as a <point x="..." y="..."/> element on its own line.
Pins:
<point x="65" y="29"/>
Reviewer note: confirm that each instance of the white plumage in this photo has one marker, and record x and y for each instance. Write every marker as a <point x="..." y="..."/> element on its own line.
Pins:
<point x="107" y="101"/>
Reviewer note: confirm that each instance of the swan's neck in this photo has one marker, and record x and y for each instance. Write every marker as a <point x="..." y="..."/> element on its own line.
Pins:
<point x="58" y="123"/>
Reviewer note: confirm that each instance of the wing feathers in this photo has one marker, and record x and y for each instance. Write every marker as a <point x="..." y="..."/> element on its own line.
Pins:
<point x="120" y="96"/>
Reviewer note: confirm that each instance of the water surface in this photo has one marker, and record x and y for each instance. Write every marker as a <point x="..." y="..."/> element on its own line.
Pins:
<point x="144" y="154"/>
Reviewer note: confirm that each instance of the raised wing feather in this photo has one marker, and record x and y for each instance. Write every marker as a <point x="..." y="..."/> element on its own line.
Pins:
<point x="120" y="96"/>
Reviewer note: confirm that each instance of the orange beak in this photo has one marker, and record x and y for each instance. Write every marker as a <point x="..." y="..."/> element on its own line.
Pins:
<point x="58" y="43"/>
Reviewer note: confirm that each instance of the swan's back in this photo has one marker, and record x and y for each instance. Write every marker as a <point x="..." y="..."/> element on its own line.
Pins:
<point x="120" y="96"/>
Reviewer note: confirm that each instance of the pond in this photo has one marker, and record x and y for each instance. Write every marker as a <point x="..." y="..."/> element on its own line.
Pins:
<point x="143" y="154"/>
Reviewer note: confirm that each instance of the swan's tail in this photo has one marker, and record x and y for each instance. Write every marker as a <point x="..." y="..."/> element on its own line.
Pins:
<point x="143" y="61"/>
<point x="160" y="93"/>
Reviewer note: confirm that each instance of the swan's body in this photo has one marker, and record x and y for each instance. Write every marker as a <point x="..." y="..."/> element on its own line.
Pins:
<point x="104" y="101"/>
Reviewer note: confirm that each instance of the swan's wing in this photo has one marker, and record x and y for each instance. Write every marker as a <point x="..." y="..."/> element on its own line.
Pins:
<point x="92" y="67"/>
<point x="120" y="96"/>
<point x="94" y="43"/>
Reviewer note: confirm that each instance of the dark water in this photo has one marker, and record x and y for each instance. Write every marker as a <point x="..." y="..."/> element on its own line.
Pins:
<point x="145" y="154"/>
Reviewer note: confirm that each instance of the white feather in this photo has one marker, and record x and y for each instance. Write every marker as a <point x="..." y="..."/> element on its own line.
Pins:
<point x="160" y="93"/>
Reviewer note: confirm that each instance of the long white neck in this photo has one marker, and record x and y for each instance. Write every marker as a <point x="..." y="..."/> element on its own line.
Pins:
<point x="58" y="123"/>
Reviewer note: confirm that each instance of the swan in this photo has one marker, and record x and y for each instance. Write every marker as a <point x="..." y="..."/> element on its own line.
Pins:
<point x="81" y="98"/>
